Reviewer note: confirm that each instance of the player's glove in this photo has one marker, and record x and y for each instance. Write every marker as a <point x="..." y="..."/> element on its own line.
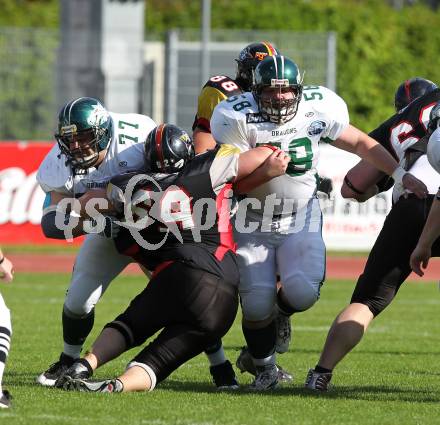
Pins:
<point x="325" y="185"/>
<point x="106" y="225"/>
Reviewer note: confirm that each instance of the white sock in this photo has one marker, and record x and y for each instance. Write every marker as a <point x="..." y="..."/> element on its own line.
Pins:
<point x="217" y="358"/>
<point x="266" y="361"/>
<point x="5" y="336"/>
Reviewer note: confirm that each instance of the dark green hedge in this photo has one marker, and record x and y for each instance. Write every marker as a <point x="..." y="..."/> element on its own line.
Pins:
<point x="378" y="46"/>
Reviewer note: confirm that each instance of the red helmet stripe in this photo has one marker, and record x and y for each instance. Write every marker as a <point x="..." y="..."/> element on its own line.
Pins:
<point x="158" y="143"/>
<point x="407" y="89"/>
<point x="271" y="50"/>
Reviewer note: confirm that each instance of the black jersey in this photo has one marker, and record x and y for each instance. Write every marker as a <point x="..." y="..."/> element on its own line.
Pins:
<point x="407" y="127"/>
<point x="186" y="215"/>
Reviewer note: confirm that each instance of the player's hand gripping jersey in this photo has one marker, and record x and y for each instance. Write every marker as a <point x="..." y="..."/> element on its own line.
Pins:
<point x="321" y="116"/>
<point x="403" y="135"/>
<point x="188" y="212"/>
<point x="125" y="153"/>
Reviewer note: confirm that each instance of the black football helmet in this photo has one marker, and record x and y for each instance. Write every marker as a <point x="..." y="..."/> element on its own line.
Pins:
<point x="412" y="89"/>
<point x="85" y="128"/>
<point x="248" y="59"/>
<point x="168" y="149"/>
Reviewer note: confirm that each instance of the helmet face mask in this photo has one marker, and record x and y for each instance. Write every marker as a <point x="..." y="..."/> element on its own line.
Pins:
<point x="84" y="130"/>
<point x="168" y="149"/>
<point x="248" y="59"/>
<point x="434" y="119"/>
<point x="278" y="89"/>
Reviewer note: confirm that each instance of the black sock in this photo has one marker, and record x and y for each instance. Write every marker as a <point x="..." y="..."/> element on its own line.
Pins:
<point x="320" y="369"/>
<point x="261" y="342"/>
<point x="76" y="330"/>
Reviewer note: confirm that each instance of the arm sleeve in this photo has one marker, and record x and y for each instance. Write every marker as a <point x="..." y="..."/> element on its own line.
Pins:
<point x="208" y="99"/>
<point x="336" y="115"/>
<point x="224" y="168"/>
<point x="229" y="128"/>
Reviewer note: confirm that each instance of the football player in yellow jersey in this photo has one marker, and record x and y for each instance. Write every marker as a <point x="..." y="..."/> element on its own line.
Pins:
<point x="220" y="87"/>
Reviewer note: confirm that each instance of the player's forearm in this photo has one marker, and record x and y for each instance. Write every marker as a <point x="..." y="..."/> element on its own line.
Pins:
<point x="257" y="178"/>
<point x="431" y="231"/>
<point x="55" y="224"/>
<point x="93" y="203"/>
<point x="203" y="141"/>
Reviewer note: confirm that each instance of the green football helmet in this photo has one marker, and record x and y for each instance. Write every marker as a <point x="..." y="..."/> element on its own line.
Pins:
<point x="282" y="74"/>
<point x="85" y="128"/>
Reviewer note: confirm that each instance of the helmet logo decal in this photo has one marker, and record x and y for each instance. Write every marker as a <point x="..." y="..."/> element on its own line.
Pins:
<point x="180" y="163"/>
<point x="283" y="82"/>
<point x="68" y="130"/>
<point x="99" y="115"/>
<point x="260" y="55"/>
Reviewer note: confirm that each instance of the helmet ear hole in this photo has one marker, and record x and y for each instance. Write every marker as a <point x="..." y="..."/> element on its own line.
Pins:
<point x="168" y="149"/>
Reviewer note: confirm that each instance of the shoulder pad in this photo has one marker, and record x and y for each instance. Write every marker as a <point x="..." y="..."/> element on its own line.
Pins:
<point x="225" y="85"/>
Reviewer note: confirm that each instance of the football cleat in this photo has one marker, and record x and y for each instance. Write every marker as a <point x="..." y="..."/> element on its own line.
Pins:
<point x="55" y="371"/>
<point x="266" y="378"/>
<point x="5" y="400"/>
<point x="77" y="371"/>
<point x="284" y="333"/>
<point x="318" y="381"/>
<point x="223" y="376"/>
<point x="82" y="385"/>
<point x="244" y="363"/>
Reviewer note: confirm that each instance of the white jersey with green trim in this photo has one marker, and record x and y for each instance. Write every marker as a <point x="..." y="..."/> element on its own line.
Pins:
<point x="321" y="117"/>
<point x="125" y="153"/>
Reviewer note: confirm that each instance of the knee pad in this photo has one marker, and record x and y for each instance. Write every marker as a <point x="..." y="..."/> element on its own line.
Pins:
<point x="299" y="292"/>
<point x="258" y="304"/>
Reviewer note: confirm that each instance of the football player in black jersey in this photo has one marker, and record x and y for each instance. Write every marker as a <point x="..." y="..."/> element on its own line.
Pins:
<point x="404" y="135"/>
<point x="191" y="299"/>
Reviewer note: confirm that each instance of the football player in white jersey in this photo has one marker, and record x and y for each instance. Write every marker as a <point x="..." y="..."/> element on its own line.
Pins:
<point x="93" y="146"/>
<point x="278" y="227"/>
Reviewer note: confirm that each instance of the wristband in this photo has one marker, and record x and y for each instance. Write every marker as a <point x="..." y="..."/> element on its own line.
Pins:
<point x="351" y="186"/>
<point x="398" y="174"/>
<point x="3" y="259"/>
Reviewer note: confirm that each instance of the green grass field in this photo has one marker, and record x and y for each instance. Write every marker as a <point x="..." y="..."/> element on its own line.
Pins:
<point x="391" y="378"/>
